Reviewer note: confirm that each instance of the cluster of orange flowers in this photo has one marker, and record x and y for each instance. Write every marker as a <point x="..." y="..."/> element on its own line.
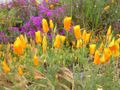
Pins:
<point x="105" y="50"/>
<point x="101" y="55"/>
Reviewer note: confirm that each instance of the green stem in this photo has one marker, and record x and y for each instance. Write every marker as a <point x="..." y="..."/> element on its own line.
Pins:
<point x="71" y="8"/>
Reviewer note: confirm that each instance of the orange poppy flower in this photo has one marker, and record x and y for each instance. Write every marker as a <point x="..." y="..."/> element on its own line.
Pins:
<point x="67" y="23"/>
<point x="97" y="57"/>
<point x="114" y="48"/>
<point x="107" y="54"/>
<point x="18" y="47"/>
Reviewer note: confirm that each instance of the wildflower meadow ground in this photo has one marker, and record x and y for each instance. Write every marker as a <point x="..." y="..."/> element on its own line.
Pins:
<point x="60" y="45"/>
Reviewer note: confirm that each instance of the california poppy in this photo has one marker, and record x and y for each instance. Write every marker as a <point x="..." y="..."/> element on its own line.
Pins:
<point x="107" y="54"/>
<point x="114" y="48"/>
<point x="51" y="24"/>
<point x="77" y="32"/>
<point x="38" y="37"/>
<point x="57" y="41"/>
<point x="5" y="67"/>
<point x="92" y="48"/>
<point x="97" y="57"/>
<point x="67" y="23"/>
<point x="45" y="25"/>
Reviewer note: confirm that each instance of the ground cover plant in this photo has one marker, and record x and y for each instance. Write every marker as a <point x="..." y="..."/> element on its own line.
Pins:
<point x="60" y="45"/>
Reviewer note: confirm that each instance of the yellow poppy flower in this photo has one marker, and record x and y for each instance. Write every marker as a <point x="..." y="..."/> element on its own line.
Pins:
<point x="92" y="49"/>
<point x="51" y="24"/>
<point x="57" y="42"/>
<point x="45" y="25"/>
<point x="38" y="37"/>
<point x="77" y="32"/>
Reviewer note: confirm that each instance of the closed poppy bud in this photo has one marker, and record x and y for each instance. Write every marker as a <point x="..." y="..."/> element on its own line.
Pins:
<point x="57" y="42"/>
<point x="109" y="31"/>
<point x="38" y="37"/>
<point x="87" y="38"/>
<point x="97" y="57"/>
<point x="92" y="48"/>
<point x="101" y="47"/>
<point x="20" y="71"/>
<point x="107" y="54"/>
<point x="45" y="25"/>
<point x="5" y="67"/>
<point x="36" y="63"/>
<point x="79" y="43"/>
<point x="84" y="35"/>
<point x="44" y="44"/>
<point x="67" y="23"/>
<point x="51" y="24"/>
<point x="77" y="32"/>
